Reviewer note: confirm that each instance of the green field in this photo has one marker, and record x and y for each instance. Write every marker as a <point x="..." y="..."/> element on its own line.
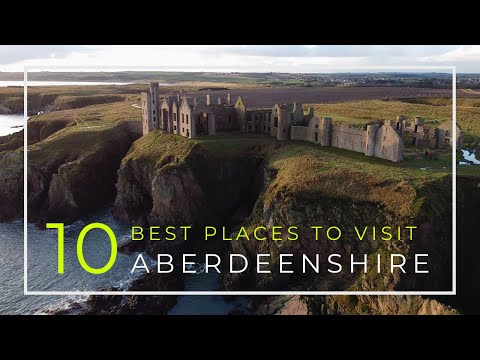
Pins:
<point x="435" y="111"/>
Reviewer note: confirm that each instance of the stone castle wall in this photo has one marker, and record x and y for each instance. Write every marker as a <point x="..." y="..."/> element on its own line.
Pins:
<point x="191" y="117"/>
<point x="378" y="140"/>
<point x="348" y="138"/>
<point x="300" y="133"/>
<point x="388" y="144"/>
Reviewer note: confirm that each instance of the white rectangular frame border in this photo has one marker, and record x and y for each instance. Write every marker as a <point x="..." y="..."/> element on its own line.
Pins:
<point x="250" y="293"/>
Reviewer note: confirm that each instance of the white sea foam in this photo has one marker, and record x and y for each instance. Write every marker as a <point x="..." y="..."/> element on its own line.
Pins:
<point x="469" y="157"/>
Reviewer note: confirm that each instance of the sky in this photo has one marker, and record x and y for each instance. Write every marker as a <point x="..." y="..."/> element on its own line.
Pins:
<point x="261" y="58"/>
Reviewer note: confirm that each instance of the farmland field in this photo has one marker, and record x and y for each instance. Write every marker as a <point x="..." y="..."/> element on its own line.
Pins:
<point x="267" y="97"/>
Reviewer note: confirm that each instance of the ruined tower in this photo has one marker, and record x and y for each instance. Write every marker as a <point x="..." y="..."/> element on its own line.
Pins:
<point x="297" y="114"/>
<point x="147" y="120"/>
<point x="400" y="124"/>
<point x="325" y="131"/>
<point x="283" y="124"/>
<point x="419" y="120"/>
<point x="241" y="114"/>
<point x="370" y="139"/>
<point x="155" y="105"/>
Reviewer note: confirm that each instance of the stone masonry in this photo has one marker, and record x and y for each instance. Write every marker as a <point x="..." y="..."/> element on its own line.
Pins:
<point x="192" y="117"/>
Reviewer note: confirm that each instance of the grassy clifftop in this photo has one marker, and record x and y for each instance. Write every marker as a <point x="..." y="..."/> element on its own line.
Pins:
<point x="301" y="184"/>
<point x="302" y="167"/>
<point x="102" y="113"/>
<point x="360" y="112"/>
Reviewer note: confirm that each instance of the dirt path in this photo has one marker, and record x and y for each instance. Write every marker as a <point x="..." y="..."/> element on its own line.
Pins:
<point x="471" y="91"/>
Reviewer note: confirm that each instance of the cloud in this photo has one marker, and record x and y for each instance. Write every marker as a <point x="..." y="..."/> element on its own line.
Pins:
<point x="16" y="53"/>
<point x="282" y="58"/>
<point x="461" y="53"/>
<point x="332" y="50"/>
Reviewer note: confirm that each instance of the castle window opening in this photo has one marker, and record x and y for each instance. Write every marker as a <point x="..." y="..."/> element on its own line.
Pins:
<point x="183" y="118"/>
<point x="284" y="131"/>
<point x="398" y="125"/>
<point x="187" y="118"/>
<point x="416" y="128"/>
<point x="275" y="121"/>
<point x="316" y="126"/>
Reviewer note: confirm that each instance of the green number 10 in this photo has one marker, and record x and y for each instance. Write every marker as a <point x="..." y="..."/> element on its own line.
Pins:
<point x="81" y="237"/>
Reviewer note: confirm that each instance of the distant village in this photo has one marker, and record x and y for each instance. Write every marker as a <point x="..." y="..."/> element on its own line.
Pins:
<point x="440" y="81"/>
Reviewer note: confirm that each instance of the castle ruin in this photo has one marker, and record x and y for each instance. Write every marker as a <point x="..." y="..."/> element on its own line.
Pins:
<point x="192" y="117"/>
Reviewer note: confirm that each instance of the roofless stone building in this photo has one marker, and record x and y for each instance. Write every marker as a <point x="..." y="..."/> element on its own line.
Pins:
<point x="192" y="117"/>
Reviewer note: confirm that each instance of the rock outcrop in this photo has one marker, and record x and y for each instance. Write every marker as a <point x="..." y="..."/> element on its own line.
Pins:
<point x="137" y="304"/>
<point x="157" y="195"/>
<point x="169" y="180"/>
<point x="75" y="102"/>
<point x="5" y="110"/>
<point x="379" y="305"/>
<point x="79" y="176"/>
<point x="11" y="142"/>
<point x="183" y="186"/>
<point x="165" y="179"/>
<point x="11" y="189"/>
<point x="69" y="174"/>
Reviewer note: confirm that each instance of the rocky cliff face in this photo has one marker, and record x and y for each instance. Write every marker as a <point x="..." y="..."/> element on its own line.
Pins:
<point x="69" y="174"/>
<point x="191" y="188"/>
<point x="4" y="110"/>
<point x="200" y="184"/>
<point x="11" y="189"/>
<point x="197" y="187"/>
<point x="36" y="103"/>
<point x="165" y="179"/>
<point x="40" y="130"/>
<point x="135" y="304"/>
<point x="280" y="206"/>
<point x="72" y="182"/>
<point x="468" y="246"/>
<point x="157" y="195"/>
<point x="54" y="102"/>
